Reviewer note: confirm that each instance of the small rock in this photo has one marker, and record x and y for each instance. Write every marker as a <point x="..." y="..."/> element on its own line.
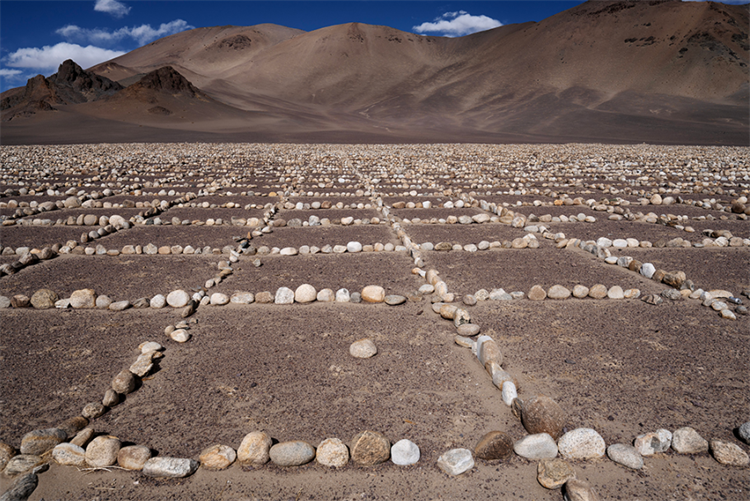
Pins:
<point x="652" y="299"/>
<point x="332" y="452"/>
<point x="93" y="410"/>
<point x="364" y="348"/>
<point x="73" y="425"/>
<point x="625" y="455"/>
<point x="119" y="305"/>
<point x="558" y="292"/>
<point x="305" y="293"/>
<point x="537" y="293"/>
<point x="217" y="457"/>
<point x="553" y="473"/>
<point x="38" y="442"/>
<point x="369" y="448"/>
<point x="111" y="398"/>
<point x="124" y="382"/>
<point x="541" y="414"/>
<point x="84" y="298"/>
<point x="509" y="392"/>
<point x="44" y="299"/>
<point x="537" y="446"/>
<point x="284" y="295"/>
<point x="456" y="461"/>
<point x="219" y="299"/>
<point x="578" y="490"/>
<point x="180" y="335"/>
<point x="102" y="451"/>
<point x="494" y="445"/>
<point x="580" y="292"/>
<point x="744" y="432"/>
<point x="405" y="453"/>
<point x="687" y="441"/>
<point x="68" y="454"/>
<point x="133" y="457"/>
<point x="373" y="294"/>
<point x="468" y="330"/>
<point x="6" y="452"/>
<point x="394" y="300"/>
<point x="178" y="298"/>
<point x="83" y="437"/>
<point x="729" y="453"/>
<point x="21" y="464"/>
<point x="650" y="443"/>
<point x="598" y="291"/>
<point x="103" y="302"/>
<point x="254" y="449"/>
<point x="615" y="292"/>
<point x="170" y="467"/>
<point x="581" y="443"/>
<point x="293" y="453"/>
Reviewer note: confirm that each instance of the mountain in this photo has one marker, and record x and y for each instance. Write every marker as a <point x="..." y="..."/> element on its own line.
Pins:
<point x="634" y="71"/>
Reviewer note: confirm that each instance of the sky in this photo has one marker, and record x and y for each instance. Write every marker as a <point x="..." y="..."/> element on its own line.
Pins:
<point x="36" y="36"/>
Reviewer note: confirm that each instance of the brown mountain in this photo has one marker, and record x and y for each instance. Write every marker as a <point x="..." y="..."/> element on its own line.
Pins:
<point x="654" y="71"/>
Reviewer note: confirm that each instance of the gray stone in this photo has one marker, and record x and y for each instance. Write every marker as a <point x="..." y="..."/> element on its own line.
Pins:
<point x="93" y="410"/>
<point x="332" y="452"/>
<point x="111" y="398"/>
<point x="558" y="292"/>
<point x="119" y="305"/>
<point x="284" y="295"/>
<point x="650" y="443"/>
<point x="744" y="432"/>
<point x="24" y="486"/>
<point x="625" y="455"/>
<point x="536" y="446"/>
<point x="84" y="298"/>
<point x="468" y="330"/>
<point x="394" y="299"/>
<point x="21" y="464"/>
<point x="343" y="296"/>
<point x="165" y="467"/>
<point x="581" y="443"/>
<point x="687" y="441"/>
<point x="292" y="453"/>
<point x="456" y="461"/>
<point x="44" y="299"/>
<point x="405" y="453"/>
<point x="38" y="442"/>
<point x="68" y="454"/>
<point x="124" y="382"/>
<point x="364" y="348"/>
<point x="578" y="490"/>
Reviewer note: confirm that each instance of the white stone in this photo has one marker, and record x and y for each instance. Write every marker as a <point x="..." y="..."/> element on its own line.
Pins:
<point x="343" y="296"/>
<point x="537" y="446"/>
<point x="581" y="443"/>
<point x="647" y="270"/>
<point x="456" y="461"/>
<point x="305" y="293"/>
<point x="178" y="298"/>
<point x="405" y="453"/>
<point x="364" y="348"/>
<point x="284" y="295"/>
<point x="354" y="247"/>
<point x="219" y="299"/>
<point x="509" y="393"/>
<point x="158" y="301"/>
<point x="170" y="467"/>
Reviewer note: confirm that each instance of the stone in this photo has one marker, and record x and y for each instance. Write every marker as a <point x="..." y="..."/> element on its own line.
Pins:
<point x="728" y="453"/>
<point x="553" y="473"/>
<point x="83" y="437"/>
<point x="687" y="441"/>
<point x="615" y="292"/>
<point x="219" y="299"/>
<point x="536" y="446"/>
<point x="111" y="398"/>
<point x="288" y="251"/>
<point x="305" y="293"/>
<point x="93" y="410"/>
<point x="6" y="453"/>
<point x="364" y="348"/>
<point x="21" y="464"/>
<point x="264" y="297"/>
<point x="580" y="292"/>
<point x="625" y="455"/>
<point x="37" y="442"/>
<point x="537" y="293"/>
<point x="294" y="453"/>
<point x="509" y="392"/>
<point x="119" y="305"/>
<point x="456" y="461"/>
<point x="84" y="298"/>
<point x="217" y="457"/>
<point x="165" y="467"/>
<point x="180" y="335"/>
<point x="343" y="296"/>
<point x="284" y="295"/>
<point x="44" y="299"/>
<point x="332" y="452"/>
<point x="541" y="414"/>
<point x="369" y="448"/>
<point x="652" y="299"/>
<point x="744" y="432"/>
<point x="20" y="301"/>
<point x="133" y="457"/>
<point x="242" y="298"/>
<point x="102" y="451"/>
<point x="178" y="298"/>
<point x="578" y="490"/>
<point x="354" y="247"/>
<point x="73" y="425"/>
<point x="405" y="453"/>
<point x="68" y="454"/>
<point x="254" y="449"/>
<point x="598" y="291"/>
<point x="103" y="302"/>
<point x="373" y="294"/>
<point x="650" y="443"/>
<point x="494" y="445"/>
<point x="394" y="299"/>
<point x="124" y="382"/>
<point x="581" y="443"/>
<point x="468" y="330"/>
<point x="558" y="292"/>
<point x="488" y="351"/>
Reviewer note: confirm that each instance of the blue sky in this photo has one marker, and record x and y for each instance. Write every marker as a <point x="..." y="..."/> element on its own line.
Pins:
<point x="36" y="36"/>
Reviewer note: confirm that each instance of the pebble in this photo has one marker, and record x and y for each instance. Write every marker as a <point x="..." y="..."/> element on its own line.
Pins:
<point x="21" y="464"/>
<point x="166" y="467"/>
<point x="83" y="437"/>
<point x="293" y="453"/>
<point x="729" y="453"/>
<point x="103" y="302"/>
<point x="83" y="298"/>
<point x="598" y="291"/>
<point x="509" y="392"/>
<point x="44" y="299"/>
<point x="242" y="298"/>
<point x="537" y="293"/>
<point x="615" y="292"/>
<point x="558" y="292"/>
<point x="219" y="299"/>
<point x="343" y="296"/>
<point x="364" y="348"/>
<point x="305" y="293"/>
<point x="111" y="398"/>
<point x="687" y="441"/>
<point x="93" y="410"/>
<point x="468" y="330"/>
<point x="744" y="432"/>
<point x="332" y="452"/>
<point x="650" y="443"/>
<point x="578" y="490"/>
<point x="180" y="336"/>
<point x="325" y="296"/>
<point x="625" y="455"/>
<point x="394" y="299"/>
<point x="68" y="454"/>
<point x="284" y="295"/>
<point x="536" y="446"/>
<point x="373" y="294"/>
<point x="553" y="473"/>
<point x="369" y="448"/>
<point x="37" y="442"/>
<point x="464" y="341"/>
<point x="581" y="443"/>
<point x="178" y="298"/>
<point x="580" y="291"/>
<point x="405" y="453"/>
<point x="254" y="449"/>
<point x="264" y="297"/>
<point x="217" y="457"/>
<point x="6" y="452"/>
<point x="456" y="461"/>
<point x="133" y="457"/>
<point x="119" y="305"/>
<point x="541" y="414"/>
<point x="102" y="451"/>
<point x="354" y="247"/>
<point x="494" y="445"/>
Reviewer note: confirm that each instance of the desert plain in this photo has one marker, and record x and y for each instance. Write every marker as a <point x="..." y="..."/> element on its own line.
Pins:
<point x="611" y="279"/>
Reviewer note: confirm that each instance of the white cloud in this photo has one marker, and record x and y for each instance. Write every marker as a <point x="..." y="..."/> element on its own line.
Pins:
<point x="6" y="73"/>
<point x="48" y="58"/>
<point x="112" y="7"/>
<point x="142" y="34"/>
<point x="458" y="24"/>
